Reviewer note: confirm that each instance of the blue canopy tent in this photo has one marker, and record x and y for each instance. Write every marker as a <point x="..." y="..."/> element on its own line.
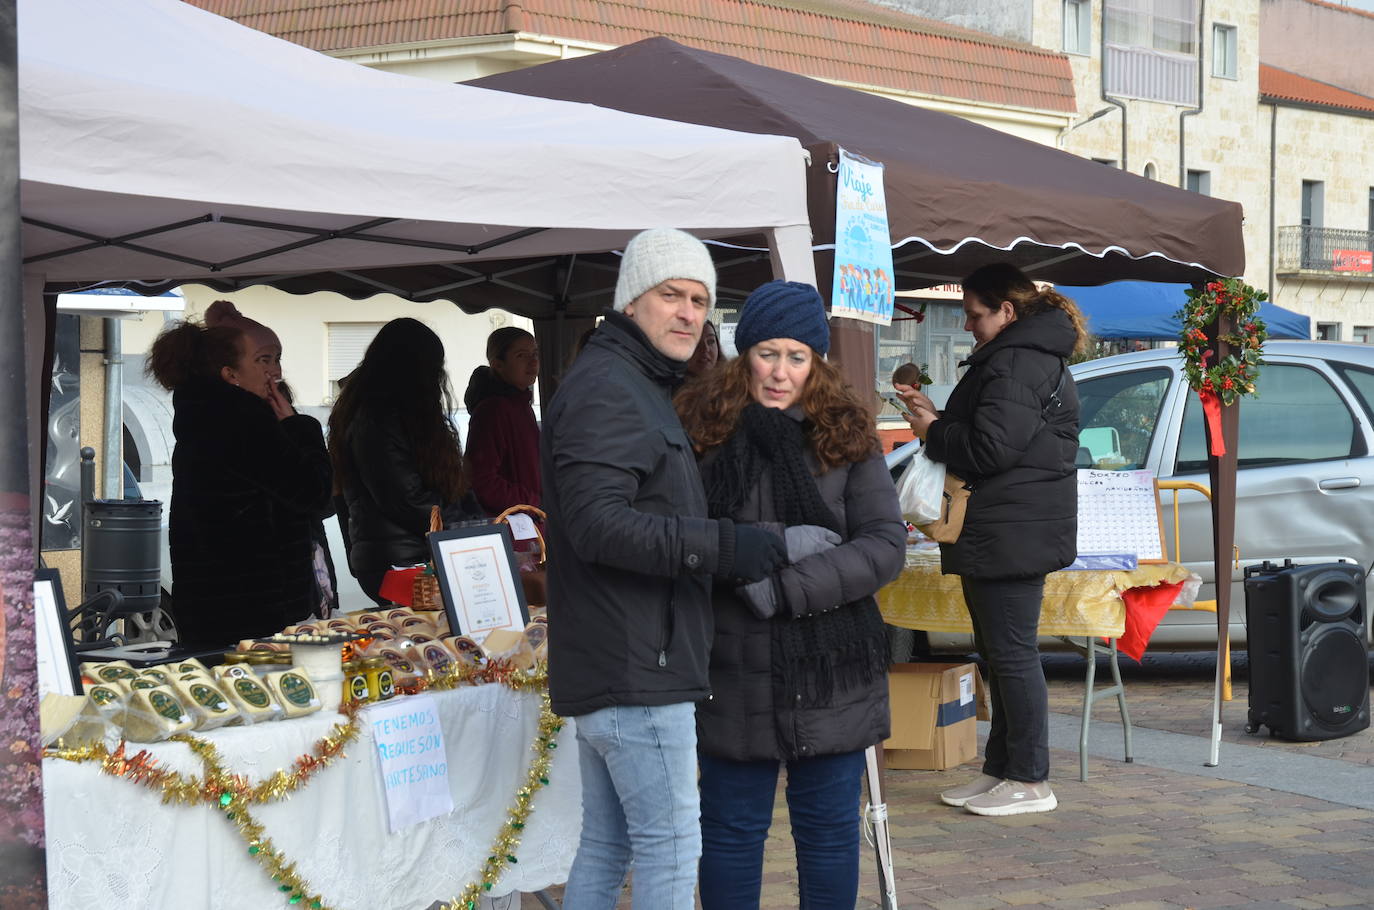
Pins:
<point x="1145" y="310"/>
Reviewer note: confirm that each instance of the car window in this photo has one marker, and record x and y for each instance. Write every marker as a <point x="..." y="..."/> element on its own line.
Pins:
<point x="1295" y="416"/>
<point x="1118" y="415"/>
<point x="1361" y="380"/>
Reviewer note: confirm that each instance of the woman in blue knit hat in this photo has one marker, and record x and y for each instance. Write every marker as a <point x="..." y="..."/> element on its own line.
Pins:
<point x="799" y="660"/>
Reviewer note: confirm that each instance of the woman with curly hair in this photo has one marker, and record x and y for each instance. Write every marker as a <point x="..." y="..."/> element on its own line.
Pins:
<point x="396" y="452"/>
<point x="799" y="660"/>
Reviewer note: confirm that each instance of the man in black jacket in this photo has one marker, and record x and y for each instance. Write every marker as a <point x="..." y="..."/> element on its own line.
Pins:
<point x="632" y="558"/>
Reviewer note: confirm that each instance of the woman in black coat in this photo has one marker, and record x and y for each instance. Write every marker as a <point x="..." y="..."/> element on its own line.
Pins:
<point x="799" y="661"/>
<point x="396" y="452"/>
<point x="1010" y="431"/>
<point x="250" y="476"/>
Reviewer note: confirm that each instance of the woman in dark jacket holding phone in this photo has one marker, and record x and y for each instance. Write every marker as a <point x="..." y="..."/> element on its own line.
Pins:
<point x="799" y="660"/>
<point x="1010" y="431"/>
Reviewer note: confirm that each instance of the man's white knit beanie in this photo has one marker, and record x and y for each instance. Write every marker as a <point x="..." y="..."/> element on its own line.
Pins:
<point x="658" y="255"/>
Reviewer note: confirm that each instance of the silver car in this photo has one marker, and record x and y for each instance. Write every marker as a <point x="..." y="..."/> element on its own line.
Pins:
<point x="1305" y="483"/>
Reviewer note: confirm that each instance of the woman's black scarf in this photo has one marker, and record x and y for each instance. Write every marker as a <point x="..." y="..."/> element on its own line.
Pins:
<point x="818" y="654"/>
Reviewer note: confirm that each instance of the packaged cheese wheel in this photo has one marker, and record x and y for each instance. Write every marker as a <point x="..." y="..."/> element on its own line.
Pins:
<point x="154" y="714"/>
<point x="398" y="615"/>
<point x="362" y="620"/>
<point x="142" y="682"/>
<point x="294" y="691"/>
<point x="108" y="671"/>
<point x="538" y="635"/>
<point x="190" y="665"/>
<point x="205" y="702"/>
<point x="254" y="701"/>
<point x="340" y="625"/>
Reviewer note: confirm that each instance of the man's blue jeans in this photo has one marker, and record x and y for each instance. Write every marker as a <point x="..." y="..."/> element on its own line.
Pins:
<point x="640" y="807"/>
<point x="737" y="808"/>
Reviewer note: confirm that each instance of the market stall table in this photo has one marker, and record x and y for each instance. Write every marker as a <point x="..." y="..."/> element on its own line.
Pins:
<point x="1079" y="604"/>
<point x="113" y="842"/>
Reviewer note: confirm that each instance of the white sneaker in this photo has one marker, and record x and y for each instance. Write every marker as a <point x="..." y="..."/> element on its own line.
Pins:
<point x="960" y="795"/>
<point x="1013" y="797"/>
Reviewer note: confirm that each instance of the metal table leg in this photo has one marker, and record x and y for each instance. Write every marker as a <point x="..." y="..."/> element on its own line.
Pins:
<point x="1091" y="694"/>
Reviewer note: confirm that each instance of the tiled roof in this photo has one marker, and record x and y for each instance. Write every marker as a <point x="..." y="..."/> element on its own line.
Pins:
<point x="841" y="40"/>
<point x="1281" y="85"/>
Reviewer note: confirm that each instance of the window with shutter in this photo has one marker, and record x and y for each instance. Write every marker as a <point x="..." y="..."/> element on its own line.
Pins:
<point x="348" y="342"/>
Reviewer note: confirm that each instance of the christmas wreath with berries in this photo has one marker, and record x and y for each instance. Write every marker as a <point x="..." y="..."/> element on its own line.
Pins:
<point x="1235" y="374"/>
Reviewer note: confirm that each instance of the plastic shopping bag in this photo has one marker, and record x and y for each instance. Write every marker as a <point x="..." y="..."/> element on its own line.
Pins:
<point x="921" y="490"/>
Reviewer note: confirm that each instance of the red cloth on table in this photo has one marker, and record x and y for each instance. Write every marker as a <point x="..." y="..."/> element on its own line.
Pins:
<point x="398" y="585"/>
<point x="1145" y="607"/>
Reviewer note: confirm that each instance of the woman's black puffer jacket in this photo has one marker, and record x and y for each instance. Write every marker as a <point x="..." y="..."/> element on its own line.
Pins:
<point x="744" y="719"/>
<point x="1003" y="434"/>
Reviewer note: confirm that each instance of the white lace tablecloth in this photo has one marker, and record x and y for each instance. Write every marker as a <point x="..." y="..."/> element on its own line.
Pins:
<point x="112" y="843"/>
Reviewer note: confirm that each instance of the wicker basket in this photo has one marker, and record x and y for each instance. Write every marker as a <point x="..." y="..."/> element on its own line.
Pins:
<point x="425" y="594"/>
<point x="534" y="582"/>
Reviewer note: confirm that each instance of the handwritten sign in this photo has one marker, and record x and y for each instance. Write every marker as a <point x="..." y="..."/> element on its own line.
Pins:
<point x="412" y="760"/>
<point x="1118" y="512"/>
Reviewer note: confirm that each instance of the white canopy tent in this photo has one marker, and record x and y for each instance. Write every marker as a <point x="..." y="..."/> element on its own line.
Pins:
<point x="160" y="142"/>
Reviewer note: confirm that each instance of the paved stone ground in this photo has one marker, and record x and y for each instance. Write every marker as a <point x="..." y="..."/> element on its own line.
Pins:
<point x="1133" y="836"/>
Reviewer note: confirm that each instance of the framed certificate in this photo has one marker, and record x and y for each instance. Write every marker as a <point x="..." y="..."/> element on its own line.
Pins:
<point x="57" y="666"/>
<point x="479" y="580"/>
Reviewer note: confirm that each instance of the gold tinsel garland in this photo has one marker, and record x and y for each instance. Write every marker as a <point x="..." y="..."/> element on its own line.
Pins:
<point x="232" y="794"/>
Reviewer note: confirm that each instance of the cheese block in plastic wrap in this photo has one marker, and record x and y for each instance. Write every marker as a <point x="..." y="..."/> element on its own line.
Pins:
<point x="511" y="646"/>
<point x="141" y="682"/>
<point x="109" y="701"/>
<point x="154" y="714"/>
<point x="206" y="702"/>
<point x="72" y="720"/>
<point x="189" y="665"/>
<point x="294" y="691"/>
<point x="232" y="671"/>
<point x="432" y="654"/>
<point x="108" y="671"/>
<point x="466" y="650"/>
<point x="251" y="697"/>
<point x="538" y="635"/>
<point x="160" y="674"/>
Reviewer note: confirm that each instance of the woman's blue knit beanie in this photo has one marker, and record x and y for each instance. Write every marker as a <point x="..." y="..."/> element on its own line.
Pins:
<point x="783" y="309"/>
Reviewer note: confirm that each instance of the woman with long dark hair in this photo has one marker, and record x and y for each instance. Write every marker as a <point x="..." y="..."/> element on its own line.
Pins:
<point x="1010" y="432"/>
<point x="396" y="452"/>
<point x="250" y="477"/>
<point x="798" y="664"/>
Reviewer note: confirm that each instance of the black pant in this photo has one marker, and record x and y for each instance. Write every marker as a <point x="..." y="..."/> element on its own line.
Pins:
<point x="1006" y="620"/>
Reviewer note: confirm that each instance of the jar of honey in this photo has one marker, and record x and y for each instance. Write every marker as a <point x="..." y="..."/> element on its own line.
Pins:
<point x="355" y="682"/>
<point x="381" y="683"/>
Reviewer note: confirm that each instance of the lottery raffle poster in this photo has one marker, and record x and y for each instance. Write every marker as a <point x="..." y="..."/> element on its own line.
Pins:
<point x="864" y="280"/>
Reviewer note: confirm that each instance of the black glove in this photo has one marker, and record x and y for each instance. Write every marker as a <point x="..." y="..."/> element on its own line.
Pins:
<point x="758" y="553"/>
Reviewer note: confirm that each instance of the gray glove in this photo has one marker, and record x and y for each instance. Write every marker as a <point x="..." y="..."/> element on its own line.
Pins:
<point x="763" y="596"/>
<point x="808" y="540"/>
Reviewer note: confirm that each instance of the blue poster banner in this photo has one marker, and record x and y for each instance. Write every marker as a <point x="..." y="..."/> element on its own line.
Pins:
<point x="864" y="281"/>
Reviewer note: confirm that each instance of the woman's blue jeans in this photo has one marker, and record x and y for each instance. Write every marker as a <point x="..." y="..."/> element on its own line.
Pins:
<point x="737" y="809"/>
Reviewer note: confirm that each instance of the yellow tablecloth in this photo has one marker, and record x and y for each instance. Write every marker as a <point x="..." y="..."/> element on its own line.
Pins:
<point x="1077" y="603"/>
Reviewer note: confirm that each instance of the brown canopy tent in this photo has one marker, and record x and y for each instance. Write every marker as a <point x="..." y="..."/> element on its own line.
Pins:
<point x="959" y="195"/>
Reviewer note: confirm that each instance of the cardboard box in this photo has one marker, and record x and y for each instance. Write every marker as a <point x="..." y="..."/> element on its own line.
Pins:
<point x="934" y="712"/>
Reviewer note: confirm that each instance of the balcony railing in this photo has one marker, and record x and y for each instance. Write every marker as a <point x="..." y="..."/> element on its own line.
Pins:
<point x="1331" y="251"/>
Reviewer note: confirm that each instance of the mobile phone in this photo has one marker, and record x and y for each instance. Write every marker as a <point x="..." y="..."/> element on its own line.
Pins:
<point x="897" y="403"/>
